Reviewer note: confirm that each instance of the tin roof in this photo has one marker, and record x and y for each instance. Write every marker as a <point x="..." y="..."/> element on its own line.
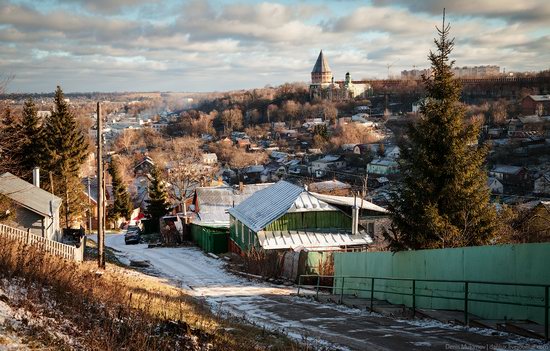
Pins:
<point x="505" y="169"/>
<point x="350" y="201"/>
<point x="213" y="202"/>
<point x="28" y="195"/>
<point x="312" y="240"/>
<point x="269" y="204"/>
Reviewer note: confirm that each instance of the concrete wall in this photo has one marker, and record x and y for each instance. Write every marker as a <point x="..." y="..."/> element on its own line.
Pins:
<point x="522" y="263"/>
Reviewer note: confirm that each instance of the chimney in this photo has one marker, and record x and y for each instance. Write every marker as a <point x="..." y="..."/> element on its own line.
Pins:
<point x="36" y="177"/>
<point x="355" y="218"/>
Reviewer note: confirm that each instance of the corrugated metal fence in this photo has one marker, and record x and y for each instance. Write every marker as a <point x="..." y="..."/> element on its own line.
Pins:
<point x="56" y="248"/>
<point x="521" y="264"/>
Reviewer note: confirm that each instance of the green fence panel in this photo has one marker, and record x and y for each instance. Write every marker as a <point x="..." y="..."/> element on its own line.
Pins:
<point x="521" y="263"/>
<point x="210" y="239"/>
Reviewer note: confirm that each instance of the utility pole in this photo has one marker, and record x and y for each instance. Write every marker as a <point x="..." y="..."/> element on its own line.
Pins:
<point x="100" y="193"/>
<point x="89" y="208"/>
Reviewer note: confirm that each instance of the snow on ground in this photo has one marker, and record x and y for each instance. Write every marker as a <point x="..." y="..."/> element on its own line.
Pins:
<point x="9" y="340"/>
<point x="274" y="308"/>
<point x="18" y="324"/>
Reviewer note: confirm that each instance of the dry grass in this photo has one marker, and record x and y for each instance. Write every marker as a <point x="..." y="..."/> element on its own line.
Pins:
<point x="119" y="309"/>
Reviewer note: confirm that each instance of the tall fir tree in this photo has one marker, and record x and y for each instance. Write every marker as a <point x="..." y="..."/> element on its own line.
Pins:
<point x="31" y="134"/>
<point x="157" y="205"/>
<point x="10" y="156"/>
<point x="442" y="199"/>
<point x="122" y="204"/>
<point x="65" y="150"/>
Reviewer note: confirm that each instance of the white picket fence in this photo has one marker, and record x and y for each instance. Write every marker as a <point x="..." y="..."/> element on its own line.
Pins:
<point x="53" y="247"/>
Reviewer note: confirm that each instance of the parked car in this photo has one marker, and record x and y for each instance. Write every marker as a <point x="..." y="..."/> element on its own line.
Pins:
<point x="133" y="235"/>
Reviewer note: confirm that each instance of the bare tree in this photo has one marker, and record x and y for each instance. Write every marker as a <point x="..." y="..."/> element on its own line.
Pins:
<point x="185" y="168"/>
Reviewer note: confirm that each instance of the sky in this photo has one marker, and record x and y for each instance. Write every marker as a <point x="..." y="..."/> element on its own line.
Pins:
<point x="208" y="45"/>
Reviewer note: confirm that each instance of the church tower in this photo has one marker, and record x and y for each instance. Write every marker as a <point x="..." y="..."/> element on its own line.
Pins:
<point x="321" y="74"/>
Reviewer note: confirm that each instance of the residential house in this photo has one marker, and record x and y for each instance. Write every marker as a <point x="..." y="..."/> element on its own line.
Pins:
<point x="36" y="210"/>
<point x="512" y="177"/>
<point x="286" y="216"/>
<point x="536" y="105"/>
<point x="274" y="170"/>
<point x="321" y="166"/>
<point x="254" y="174"/>
<point x="383" y="166"/>
<point x="542" y="185"/>
<point x="209" y="159"/>
<point x="243" y="143"/>
<point x="495" y="186"/>
<point x="210" y="220"/>
<point x="144" y="167"/>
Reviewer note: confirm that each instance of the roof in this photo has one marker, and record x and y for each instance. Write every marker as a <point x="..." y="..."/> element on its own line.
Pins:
<point x="383" y="162"/>
<point x="27" y="195"/>
<point x="147" y="159"/>
<point x="329" y="185"/>
<point x="269" y="204"/>
<point x="213" y="202"/>
<point x="540" y="98"/>
<point x="328" y="159"/>
<point x="350" y="201"/>
<point x="506" y="169"/>
<point x="530" y="119"/>
<point x="93" y="195"/>
<point x="272" y="240"/>
<point x="321" y="66"/>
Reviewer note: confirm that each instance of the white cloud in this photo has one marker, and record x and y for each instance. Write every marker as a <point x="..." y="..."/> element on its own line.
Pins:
<point x="208" y="46"/>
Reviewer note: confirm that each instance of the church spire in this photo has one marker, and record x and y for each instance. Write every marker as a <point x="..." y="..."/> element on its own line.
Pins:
<point x="321" y="74"/>
<point x="321" y="66"/>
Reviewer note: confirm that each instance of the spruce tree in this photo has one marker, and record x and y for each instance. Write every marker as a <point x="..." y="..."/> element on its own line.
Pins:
<point x="30" y="140"/>
<point x="10" y="157"/>
<point x="442" y="198"/>
<point x="122" y="204"/>
<point x="65" y="150"/>
<point x="157" y="204"/>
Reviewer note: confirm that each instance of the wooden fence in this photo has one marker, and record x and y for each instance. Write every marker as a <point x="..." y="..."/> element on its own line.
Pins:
<point x="56" y="248"/>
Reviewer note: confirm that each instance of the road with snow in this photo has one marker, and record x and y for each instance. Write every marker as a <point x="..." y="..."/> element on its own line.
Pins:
<point x="325" y="325"/>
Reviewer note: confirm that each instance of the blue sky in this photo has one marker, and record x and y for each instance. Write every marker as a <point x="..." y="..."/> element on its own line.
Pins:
<point x="207" y="45"/>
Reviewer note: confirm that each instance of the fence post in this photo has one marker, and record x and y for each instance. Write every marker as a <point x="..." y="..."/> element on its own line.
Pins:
<point x="342" y="292"/>
<point x="414" y="298"/>
<point x="466" y="319"/>
<point x="299" y="284"/>
<point x="371" y="293"/>
<point x="28" y="242"/>
<point x="318" y="282"/>
<point x="546" y="302"/>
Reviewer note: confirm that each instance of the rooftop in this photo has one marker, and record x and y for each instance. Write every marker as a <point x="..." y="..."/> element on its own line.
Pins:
<point x="540" y="98"/>
<point x="506" y="169"/>
<point x="310" y="240"/>
<point x="267" y="205"/>
<point x="28" y="195"/>
<point x="321" y="66"/>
